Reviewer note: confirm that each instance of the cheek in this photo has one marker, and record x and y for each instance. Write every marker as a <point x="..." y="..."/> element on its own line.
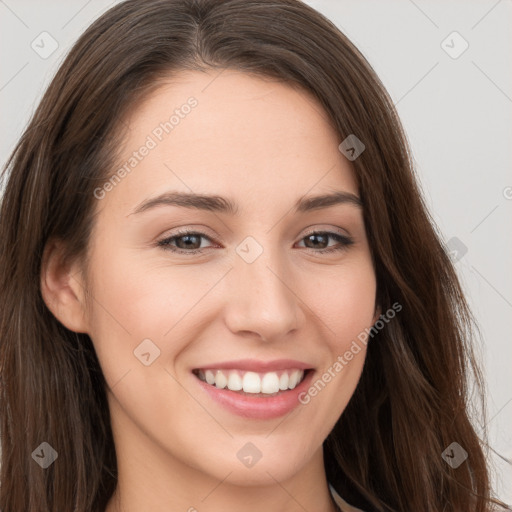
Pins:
<point x="137" y="300"/>
<point x="344" y="299"/>
<point x="346" y="305"/>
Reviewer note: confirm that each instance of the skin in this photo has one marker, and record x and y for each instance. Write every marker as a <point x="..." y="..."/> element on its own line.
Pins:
<point x="263" y="144"/>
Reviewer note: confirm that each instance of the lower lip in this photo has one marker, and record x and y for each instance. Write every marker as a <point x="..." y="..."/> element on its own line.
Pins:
<point x="258" y="407"/>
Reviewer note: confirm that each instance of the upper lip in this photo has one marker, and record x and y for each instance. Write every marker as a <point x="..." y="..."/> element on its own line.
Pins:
<point x="255" y="365"/>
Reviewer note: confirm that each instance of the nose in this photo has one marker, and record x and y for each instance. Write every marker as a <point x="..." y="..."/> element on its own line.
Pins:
<point x="261" y="299"/>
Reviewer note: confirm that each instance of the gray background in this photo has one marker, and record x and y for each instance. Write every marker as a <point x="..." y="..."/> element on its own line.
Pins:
<point x="456" y="111"/>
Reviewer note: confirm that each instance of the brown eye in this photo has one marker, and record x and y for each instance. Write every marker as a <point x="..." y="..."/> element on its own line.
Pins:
<point x="318" y="239"/>
<point x="185" y="242"/>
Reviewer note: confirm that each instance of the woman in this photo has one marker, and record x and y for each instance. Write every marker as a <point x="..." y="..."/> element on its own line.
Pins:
<point x="172" y="335"/>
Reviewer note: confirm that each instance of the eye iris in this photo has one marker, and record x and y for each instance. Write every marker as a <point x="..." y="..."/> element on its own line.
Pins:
<point x="315" y="236"/>
<point x="188" y="245"/>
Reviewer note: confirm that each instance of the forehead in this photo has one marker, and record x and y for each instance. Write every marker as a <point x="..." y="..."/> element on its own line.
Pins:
<point x="229" y="133"/>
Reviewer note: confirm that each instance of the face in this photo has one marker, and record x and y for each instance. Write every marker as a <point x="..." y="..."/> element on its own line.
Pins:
<point x="192" y="297"/>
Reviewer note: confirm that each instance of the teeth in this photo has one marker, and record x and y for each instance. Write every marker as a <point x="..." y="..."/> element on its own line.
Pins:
<point x="220" y="380"/>
<point x="270" y="383"/>
<point x="235" y="381"/>
<point x="210" y="377"/>
<point x="294" y="377"/>
<point x="251" y="382"/>
<point x="283" y="381"/>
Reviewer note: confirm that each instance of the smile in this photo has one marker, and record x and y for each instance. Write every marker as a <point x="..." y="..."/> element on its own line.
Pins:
<point x="254" y="389"/>
<point x="248" y="382"/>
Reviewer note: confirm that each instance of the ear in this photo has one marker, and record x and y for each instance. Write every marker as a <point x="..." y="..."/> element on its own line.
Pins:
<point x="62" y="287"/>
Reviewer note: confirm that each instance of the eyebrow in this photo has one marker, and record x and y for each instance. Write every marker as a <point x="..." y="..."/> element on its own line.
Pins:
<point x="221" y="204"/>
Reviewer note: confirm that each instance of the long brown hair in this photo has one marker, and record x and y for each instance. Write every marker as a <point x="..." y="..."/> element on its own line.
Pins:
<point x="413" y="399"/>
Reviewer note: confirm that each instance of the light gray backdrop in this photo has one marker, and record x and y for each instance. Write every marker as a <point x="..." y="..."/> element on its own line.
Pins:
<point x="446" y="65"/>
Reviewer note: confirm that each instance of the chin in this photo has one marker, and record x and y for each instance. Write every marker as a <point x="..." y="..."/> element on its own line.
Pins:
<point x="268" y="465"/>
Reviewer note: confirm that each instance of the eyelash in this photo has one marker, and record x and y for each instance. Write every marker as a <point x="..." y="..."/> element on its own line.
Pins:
<point x="344" y="242"/>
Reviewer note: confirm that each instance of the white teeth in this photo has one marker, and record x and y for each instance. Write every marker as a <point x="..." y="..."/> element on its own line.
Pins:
<point x="252" y="383"/>
<point x="220" y="380"/>
<point x="283" y="381"/>
<point x="268" y="383"/>
<point x="294" y="377"/>
<point x="210" y="377"/>
<point x="234" y="381"/>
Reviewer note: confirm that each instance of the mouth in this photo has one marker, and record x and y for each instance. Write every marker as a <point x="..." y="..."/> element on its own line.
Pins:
<point x="249" y="383"/>
<point x="256" y="390"/>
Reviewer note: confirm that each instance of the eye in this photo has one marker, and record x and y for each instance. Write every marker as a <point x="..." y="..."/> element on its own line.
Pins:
<point x="343" y="241"/>
<point x="189" y="242"/>
<point x="186" y="242"/>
